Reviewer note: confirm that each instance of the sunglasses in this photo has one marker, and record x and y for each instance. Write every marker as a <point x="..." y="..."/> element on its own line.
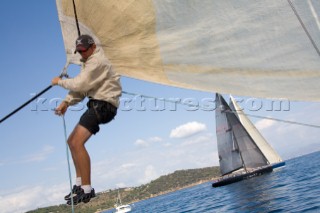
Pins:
<point x="83" y="51"/>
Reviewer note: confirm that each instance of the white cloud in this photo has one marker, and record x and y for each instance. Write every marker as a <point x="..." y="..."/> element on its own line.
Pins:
<point x="187" y="130"/>
<point x="35" y="157"/>
<point x="265" y="123"/>
<point x="149" y="174"/>
<point x="207" y="138"/>
<point x="127" y="165"/>
<point x="167" y="144"/>
<point x="121" y="185"/>
<point x="147" y="142"/>
<point x="141" y="143"/>
<point x="155" y="139"/>
<point x="115" y="172"/>
<point x="42" y="155"/>
<point x="27" y="198"/>
<point x="130" y="169"/>
<point x="196" y="152"/>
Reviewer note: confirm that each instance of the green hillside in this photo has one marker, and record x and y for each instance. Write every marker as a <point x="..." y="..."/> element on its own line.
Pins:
<point x="164" y="184"/>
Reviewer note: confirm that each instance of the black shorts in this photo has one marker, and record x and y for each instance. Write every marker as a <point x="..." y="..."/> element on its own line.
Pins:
<point x="98" y="112"/>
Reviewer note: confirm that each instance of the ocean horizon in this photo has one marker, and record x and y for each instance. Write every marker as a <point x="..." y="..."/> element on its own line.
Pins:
<point x="293" y="188"/>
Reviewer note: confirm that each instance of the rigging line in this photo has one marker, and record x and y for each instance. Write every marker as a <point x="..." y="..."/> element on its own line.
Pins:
<point x="25" y="104"/>
<point x="192" y="105"/>
<point x="76" y="17"/>
<point x="275" y="119"/>
<point x="165" y="100"/>
<point x="303" y="26"/>
<point x="67" y="152"/>
<point x="63" y="74"/>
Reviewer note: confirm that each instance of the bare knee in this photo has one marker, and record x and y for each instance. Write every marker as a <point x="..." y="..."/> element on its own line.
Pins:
<point x="78" y="138"/>
<point x="73" y="145"/>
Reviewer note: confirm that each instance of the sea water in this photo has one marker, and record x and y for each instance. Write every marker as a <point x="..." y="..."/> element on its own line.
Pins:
<point x="294" y="188"/>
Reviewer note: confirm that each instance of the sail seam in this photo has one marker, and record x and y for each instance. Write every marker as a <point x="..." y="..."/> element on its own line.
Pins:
<point x="304" y="27"/>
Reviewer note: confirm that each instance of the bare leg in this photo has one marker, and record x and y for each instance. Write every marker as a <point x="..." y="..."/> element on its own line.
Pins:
<point x="80" y="156"/>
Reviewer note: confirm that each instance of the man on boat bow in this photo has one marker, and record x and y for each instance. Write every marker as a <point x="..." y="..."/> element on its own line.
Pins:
<point x="101" y="84"/>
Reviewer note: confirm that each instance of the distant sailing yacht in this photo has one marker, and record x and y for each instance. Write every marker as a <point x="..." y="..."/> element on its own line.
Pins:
<point x="121" y="208"/>
<point x="243" y="152"/>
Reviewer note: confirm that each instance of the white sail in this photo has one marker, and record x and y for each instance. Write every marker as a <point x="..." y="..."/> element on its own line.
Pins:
<point x="121" y="208"/>
<point x="236" y="147"/>
<point x="271" y="155"/>
<point x="251" y="48"/>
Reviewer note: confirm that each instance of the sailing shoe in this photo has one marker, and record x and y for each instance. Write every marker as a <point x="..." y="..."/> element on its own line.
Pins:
<point x="75" y="190"/>
<point x="82" y="197"/>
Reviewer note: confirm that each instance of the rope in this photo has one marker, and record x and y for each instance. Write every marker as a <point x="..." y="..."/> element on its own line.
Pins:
<point x="63" y="74"/>
<point x="76" y="17"/>
<point x="275" y="119"/>
<point x="69" y="171"/>
<point x="249" y="115"/>
<point x="304" y="27"/>
<point x="163" y="99"/>
<point x="26" y="103"/>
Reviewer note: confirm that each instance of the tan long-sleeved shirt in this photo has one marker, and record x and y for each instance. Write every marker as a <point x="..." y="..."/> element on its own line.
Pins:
<point x="96" y="80"/>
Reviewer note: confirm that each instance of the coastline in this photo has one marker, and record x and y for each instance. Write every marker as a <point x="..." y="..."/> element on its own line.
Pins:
<point x="164" y="192"/>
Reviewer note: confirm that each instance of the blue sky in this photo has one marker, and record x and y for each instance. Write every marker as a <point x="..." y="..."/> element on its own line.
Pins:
<point x="142" y="143"/>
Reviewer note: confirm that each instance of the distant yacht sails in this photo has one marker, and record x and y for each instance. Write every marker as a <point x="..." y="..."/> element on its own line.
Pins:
<point x="121" y="208"/>
<point x="243" y="152"/>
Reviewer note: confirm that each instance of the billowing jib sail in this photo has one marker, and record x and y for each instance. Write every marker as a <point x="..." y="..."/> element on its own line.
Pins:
<point x="271" y="155"/>
<point x="236" y="148"/>
<point x="250" y="48"/>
